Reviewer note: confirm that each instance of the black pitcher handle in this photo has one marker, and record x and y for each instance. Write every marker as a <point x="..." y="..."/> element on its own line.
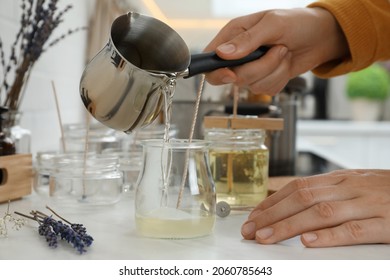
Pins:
<point x="207" y="62"/>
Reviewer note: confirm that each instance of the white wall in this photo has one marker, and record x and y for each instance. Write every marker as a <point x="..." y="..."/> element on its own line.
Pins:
<point x="63" y="64"/>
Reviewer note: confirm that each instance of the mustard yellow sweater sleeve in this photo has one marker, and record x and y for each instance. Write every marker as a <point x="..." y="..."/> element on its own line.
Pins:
<point x="366" y="25"/>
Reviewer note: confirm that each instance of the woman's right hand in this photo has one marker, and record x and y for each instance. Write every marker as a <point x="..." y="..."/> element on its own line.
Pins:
<point x="300" y="40"/>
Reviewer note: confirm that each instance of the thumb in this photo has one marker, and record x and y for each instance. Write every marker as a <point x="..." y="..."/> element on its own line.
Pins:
<point x="261" y="31"/>
<point x="236" y="48"/>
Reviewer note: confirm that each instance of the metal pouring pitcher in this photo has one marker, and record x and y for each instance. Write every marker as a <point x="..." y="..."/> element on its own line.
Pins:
<point x="123" y="85"/>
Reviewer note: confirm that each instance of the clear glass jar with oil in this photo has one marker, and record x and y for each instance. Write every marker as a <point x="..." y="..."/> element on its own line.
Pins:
<point x="239" y="163"/>
<point x="175" y="195"/>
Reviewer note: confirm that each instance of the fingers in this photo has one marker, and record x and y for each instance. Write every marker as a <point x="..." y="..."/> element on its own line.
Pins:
<point x="303" y="210"/>
<point x="267" y="75"/>
<point x="236" y="33"/>
<point x="297" y="197"/>
<point x="321" y="215"/>
<point x="317" y="181"/>
<point x="245" y="34"/>
<point x="349" y="233"/>
<point x="340" y="208"/>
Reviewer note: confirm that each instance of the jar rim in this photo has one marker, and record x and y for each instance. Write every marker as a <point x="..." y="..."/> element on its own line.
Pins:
<point x="237" y="130"/>
<point x="176" y="143"/>
<point x="227" y="134"/>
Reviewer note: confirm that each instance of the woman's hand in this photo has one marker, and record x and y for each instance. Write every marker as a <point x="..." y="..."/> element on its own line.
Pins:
<point x="300" y="40"/>
<point x="343" y="207"/>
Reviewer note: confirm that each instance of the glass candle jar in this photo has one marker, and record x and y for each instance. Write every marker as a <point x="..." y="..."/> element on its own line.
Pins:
<point x="45" y="163"/>
<point x="43" y="167"/>
<point x="98" y="136"/>
<point x="133" y="141"/>
<point x="175" y="195"/>
<point x="95" y="180"/>
<point x="130" y="163"/>
<point x="239" y="163"/>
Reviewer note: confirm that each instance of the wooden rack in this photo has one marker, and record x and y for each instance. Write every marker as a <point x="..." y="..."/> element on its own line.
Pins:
<point x="242" y="122"/>
<point x="15" y="176"/>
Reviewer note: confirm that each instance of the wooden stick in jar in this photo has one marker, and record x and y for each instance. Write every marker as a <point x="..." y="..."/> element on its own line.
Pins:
<point x="59" y="116"/>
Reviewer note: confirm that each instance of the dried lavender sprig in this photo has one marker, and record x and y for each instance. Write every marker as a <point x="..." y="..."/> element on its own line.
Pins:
<point x="63" y="36"/>
<point x="66" y="233"/>
<point x="38" y="21"/>
<point x="13" y="58"/>
<point x="62" y="230"/>
<point x="2" y="56"/>
<point x="79" y="228"/>
<point x="52" y="229"/>
<point x="45" y="229"/>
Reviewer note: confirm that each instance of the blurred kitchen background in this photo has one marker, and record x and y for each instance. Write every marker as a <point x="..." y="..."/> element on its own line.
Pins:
<point x="324" y="115"/>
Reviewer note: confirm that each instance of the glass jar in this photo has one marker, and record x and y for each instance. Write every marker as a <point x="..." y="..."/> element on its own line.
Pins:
<point x="19" y="135"/>
<point x="43" y="167"/>
<point x="7" y="146"/>
<point x="130" y="163"/>
<point x="239" y="163"/>
<point x="132" y="141"/>
<point x="175" y="195"/>
<point x="95" y="180"/>
<point x="99" y="138"/>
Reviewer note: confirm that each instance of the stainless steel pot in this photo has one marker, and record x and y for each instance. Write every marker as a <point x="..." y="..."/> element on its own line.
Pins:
<point x="283" y="153"/>
<point x="123" y="85"/>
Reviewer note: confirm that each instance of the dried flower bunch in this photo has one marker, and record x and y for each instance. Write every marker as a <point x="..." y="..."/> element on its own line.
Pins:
<point x="52" y="230"/>
<point x="17" y="223"/>
<point x="39" y="18"/>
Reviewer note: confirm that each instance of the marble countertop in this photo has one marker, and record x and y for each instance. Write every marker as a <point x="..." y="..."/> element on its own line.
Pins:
<point x="340" y="127"/>
<point x="115" y="238"/>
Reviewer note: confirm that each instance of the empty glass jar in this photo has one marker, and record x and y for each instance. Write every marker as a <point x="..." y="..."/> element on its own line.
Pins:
<point x="71" y="178"/>
<point x="130" y="164"/>
<point x="239" y="163"/>
<point x="99" y="138"/>
<point x="175" y="195"/>
<point x="43" y="167"/>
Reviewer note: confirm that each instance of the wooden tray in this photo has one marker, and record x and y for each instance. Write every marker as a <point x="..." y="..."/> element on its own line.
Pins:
<point x="16" y="175"/>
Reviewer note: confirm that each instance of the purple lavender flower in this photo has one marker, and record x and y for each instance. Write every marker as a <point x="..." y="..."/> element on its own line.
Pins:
<point x="51" y="229"/>
<point x="45" y="229"/>
<point x="82" y="231"/>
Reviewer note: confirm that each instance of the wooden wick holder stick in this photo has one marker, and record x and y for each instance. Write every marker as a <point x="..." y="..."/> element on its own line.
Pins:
<point x="243" y="122"/>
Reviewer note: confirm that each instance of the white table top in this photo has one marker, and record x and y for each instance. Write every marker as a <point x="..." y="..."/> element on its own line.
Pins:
<point x="115" y="238"/>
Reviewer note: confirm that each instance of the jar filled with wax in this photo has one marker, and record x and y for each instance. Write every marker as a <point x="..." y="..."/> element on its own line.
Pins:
<point x="175" y="196"/>
<point x="239" y="163"/>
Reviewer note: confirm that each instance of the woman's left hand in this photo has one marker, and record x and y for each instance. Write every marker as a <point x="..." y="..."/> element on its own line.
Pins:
<point x="343" y="207"/>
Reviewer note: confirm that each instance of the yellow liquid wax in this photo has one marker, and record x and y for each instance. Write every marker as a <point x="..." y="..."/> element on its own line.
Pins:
<point x="241" y="176"/>
<point x="171" y="223"/>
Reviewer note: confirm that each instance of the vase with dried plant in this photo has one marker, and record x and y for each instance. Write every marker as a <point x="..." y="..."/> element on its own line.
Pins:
<point x="39" y="18"/>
